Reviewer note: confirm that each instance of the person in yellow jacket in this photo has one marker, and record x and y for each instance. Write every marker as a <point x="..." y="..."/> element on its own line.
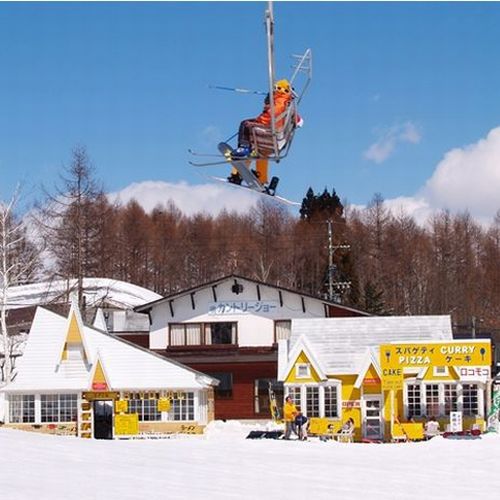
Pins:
<point x="289" y="414"/>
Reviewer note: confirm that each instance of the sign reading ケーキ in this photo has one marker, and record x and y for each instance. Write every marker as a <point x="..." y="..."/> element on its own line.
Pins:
<point x="395" y="357"/>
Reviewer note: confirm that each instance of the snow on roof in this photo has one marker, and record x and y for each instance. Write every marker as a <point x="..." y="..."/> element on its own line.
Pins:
<point x="341" y="344"/>
<point x="126" y="366"/>
<point x="96" y="290"/>
<point x="209" y="284"/>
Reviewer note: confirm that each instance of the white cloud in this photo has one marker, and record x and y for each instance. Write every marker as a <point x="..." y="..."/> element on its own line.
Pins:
<point x="390" y="138"/>
<point x="190" y="199"/>
<point x="467" y="178"/>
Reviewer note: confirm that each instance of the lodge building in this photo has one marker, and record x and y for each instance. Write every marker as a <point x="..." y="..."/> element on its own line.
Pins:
<point x="229" y="329"/>
<point x="389" y="374"/>
<point x="78" y="380"/>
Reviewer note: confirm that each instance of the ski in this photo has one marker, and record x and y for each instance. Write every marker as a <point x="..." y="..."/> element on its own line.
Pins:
<point x="276" y="197"/>
<point x="209" y="155"/>
<point x="208" y="164"/>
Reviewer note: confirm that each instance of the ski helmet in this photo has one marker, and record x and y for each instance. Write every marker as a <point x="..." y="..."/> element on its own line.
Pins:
<point x="282" y="86"/>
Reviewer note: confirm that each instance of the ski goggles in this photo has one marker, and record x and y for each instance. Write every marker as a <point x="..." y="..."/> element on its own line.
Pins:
<point x="280" y="88"/>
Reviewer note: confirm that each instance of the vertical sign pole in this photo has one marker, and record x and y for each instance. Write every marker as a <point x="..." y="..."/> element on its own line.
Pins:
<point x="392" y="412"/>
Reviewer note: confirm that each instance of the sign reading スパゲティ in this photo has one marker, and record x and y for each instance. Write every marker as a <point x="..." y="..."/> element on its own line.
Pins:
<point x="395" y="357"/>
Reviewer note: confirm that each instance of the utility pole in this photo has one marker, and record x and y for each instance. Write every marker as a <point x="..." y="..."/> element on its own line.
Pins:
<point x="332" y="268"/>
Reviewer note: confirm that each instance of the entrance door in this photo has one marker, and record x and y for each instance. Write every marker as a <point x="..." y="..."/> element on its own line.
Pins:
<point x="103" y="419"/>
<point x="373" y="423"/>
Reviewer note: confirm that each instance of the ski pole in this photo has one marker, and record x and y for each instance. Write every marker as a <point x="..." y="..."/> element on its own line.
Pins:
<point x="235" y="89"/>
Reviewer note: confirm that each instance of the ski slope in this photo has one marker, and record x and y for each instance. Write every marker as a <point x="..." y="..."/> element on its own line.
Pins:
<point x="114" y="292"/>
<point x="223" y="465"/>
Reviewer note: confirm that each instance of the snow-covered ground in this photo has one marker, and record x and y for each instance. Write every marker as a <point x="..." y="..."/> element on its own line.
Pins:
<point x="115" y="292"/>
<point x="223" y="464"/>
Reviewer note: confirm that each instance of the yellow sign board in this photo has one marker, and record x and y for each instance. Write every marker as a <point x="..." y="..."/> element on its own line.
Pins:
<point x="323" y="426"/>
<point x="90" y="396"/>
<point x="457" y="353"/>
<point x="164" y="404"/>
<point x="395" y="357"/>
<point x="121" y="406"/>
<point x="127" y="425"/>
<point x="392" y="379"/>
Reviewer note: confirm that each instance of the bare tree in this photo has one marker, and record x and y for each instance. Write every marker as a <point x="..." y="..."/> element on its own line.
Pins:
<point x="18" y="262"/>
<point x="69" y="221"/>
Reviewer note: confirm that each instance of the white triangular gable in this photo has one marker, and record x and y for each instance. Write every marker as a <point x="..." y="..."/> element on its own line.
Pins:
<point x="100" y="321"/>
<point x="302" y="345"/>
<point x="98" y="371"/>
<point x="369" y="359"/>
<point x="74" y="321"/>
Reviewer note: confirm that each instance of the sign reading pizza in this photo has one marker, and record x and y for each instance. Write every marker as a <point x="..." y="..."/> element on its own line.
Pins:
<point x="395" y="357"/>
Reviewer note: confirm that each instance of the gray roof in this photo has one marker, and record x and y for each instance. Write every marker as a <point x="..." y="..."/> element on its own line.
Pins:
<point x="341" y="344"/>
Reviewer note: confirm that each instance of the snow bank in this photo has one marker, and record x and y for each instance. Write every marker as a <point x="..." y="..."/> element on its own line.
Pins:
<point x="222" y="465"/>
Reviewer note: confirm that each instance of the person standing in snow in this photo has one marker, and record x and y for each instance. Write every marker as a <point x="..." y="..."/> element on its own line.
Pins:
<point x="289" y="414"/>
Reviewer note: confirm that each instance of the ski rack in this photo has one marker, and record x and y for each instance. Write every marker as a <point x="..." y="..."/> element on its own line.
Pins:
<point x="302" y="66"/>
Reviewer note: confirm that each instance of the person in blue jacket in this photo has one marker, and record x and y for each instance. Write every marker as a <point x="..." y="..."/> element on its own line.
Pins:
<point x="301" y="426"/>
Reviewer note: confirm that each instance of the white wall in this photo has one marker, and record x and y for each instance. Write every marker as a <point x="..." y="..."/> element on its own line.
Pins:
<point x="254" y="329"/>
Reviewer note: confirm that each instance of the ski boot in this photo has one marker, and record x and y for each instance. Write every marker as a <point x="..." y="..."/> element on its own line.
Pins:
<point x="271" y="189"/>
<point x="241" y="152"/>
<point x="235" y="179"/>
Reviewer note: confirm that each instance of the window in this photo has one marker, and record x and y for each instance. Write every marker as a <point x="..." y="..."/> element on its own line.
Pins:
<point x="147" y="409"/>
<point x="294" y="393"/>
<point x="225" y="388"/>
<point x="470" y="399"/>
<point x="440" y="371"/>
<point x="220" y="333"/>
<point x="432" y="399"/>
<point x="442" y="399"/>
<point x="21" y="408"/>
<point x="282" y="329"/>
<point x="331" y="401"/>
<point x="195" y="334"/>
<point x="312" y="402"/>
<point x="59" y="407"/>
<point x="182" y="408"/>
<point x="413" y="394"/>
<point x="303" y="370"/>
<point x="450" y="398"/>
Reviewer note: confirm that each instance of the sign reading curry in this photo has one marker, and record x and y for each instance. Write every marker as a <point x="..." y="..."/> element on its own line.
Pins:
<point x="395" y="357"/>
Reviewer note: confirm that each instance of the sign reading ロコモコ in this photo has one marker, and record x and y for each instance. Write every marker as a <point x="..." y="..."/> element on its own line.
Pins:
<point x="395" y="357"/>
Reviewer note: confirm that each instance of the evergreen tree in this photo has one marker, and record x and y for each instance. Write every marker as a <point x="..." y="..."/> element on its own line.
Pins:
<point x="374" y="299"/>
<point x="324" y="206"/>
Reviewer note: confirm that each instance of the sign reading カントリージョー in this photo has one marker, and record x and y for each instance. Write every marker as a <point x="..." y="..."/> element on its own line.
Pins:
<point x="395" y="357"/>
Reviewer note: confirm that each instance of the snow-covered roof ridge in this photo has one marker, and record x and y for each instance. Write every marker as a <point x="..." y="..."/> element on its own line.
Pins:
<point x="96" y="290"/>
<point x="341" y="343"/>
<point x="127" y="365"/>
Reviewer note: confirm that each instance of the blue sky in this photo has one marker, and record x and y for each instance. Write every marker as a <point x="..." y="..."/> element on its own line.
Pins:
<point x="396" y="88"/>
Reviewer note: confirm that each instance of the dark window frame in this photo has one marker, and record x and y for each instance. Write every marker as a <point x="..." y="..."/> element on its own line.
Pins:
<point x="203" y="326"/>
<point x="227" y="393"/>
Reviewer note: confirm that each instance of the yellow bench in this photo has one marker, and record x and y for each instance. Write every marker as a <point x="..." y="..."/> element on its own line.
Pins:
<point x="408" y="431"/>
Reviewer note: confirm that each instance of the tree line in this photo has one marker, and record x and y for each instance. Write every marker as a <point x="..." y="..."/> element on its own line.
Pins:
<point x="392" y="266"/>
